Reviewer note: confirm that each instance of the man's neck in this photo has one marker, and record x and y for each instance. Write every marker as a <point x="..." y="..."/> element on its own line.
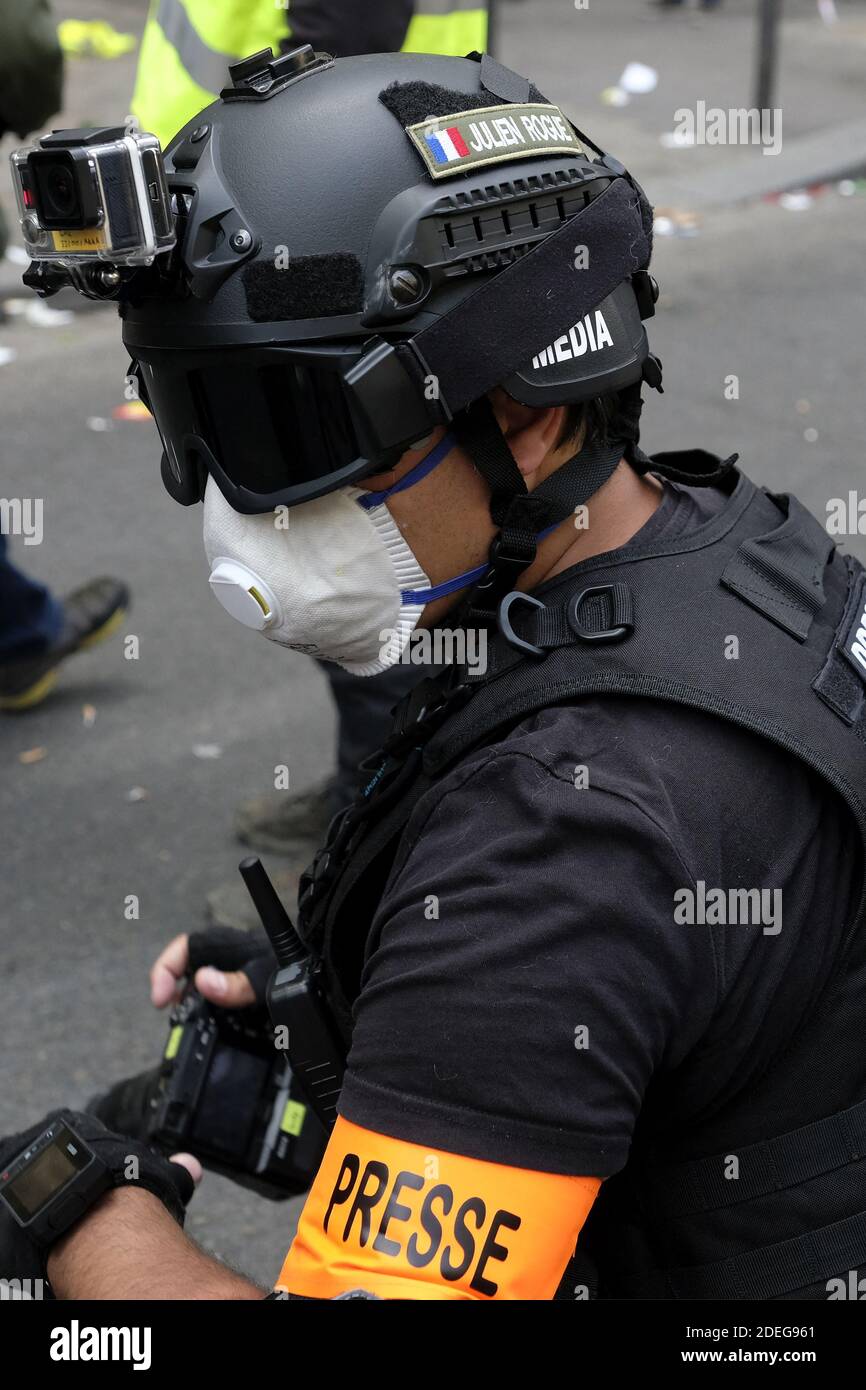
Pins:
<point x="607" y="521"/>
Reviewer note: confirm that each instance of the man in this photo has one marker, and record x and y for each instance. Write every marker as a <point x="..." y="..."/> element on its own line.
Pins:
<point x="39" y="631"/>
<point x="597" y="916"/>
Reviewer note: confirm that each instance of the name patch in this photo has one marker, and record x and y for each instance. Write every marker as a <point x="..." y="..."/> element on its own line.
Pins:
<point x="452" y="144"/>
<point x="854" y="643"/>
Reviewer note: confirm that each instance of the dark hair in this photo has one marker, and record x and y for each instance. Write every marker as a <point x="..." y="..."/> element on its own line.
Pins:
<point x="604" y="418"/>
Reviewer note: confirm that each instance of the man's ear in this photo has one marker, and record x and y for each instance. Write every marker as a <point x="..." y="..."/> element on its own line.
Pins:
<point x="532" y="434"/>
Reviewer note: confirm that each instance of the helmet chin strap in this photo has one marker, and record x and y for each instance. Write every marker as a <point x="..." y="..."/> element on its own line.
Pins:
<point x="522" y="517"/>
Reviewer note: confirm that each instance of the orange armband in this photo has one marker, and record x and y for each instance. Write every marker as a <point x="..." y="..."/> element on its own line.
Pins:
<point x="401" y="1221"/>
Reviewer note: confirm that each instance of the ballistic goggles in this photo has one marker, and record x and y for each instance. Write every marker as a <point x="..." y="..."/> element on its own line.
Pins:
<point x="275" y="425"/>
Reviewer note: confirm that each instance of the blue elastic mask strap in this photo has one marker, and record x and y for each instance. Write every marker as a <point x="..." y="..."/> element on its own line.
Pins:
<point x="461" y="581"/>
<point x="427" y="464"/>
<point x="411" y="597"/>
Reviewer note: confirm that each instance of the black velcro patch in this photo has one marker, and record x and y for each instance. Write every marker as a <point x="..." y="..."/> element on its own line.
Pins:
<point x="310" y="287"/>
<point x="411" y="102"/>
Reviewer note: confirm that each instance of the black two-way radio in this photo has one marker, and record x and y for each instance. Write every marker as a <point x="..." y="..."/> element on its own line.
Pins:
<point x="296" y="1001"/>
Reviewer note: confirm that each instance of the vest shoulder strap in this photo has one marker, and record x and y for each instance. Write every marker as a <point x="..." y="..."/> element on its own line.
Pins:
<point x="753" y="617"/>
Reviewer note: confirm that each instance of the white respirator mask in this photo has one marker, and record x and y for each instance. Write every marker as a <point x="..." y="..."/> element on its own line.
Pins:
<point x="334" y="577"/>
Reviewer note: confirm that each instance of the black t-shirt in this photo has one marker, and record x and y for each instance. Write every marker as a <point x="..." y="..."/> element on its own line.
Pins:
<point x="534" y="983"/>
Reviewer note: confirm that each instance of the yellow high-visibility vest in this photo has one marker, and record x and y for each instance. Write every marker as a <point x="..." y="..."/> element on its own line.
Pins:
<point x="187" y="46"/>
<point x="452" y="27"/>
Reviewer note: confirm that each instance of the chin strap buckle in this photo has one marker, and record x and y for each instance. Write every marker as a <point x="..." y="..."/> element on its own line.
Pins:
<point x="505" y="570"/>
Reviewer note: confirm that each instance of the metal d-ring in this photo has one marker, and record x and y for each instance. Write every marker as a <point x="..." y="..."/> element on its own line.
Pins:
<point x="505" y="625"/>
<point x="608" y="634"/>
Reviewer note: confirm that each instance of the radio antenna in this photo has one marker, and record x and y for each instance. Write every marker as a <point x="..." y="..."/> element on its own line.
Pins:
<point x="288" y="946"/>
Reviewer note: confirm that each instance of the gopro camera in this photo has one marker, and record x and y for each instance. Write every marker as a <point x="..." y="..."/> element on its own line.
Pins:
<point x="94" y="195"/>
<point x="225" y="1093"/>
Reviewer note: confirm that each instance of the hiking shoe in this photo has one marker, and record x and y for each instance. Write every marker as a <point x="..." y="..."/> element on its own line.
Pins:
<point x="90" y="614"/>
<point x="286" y="823"/>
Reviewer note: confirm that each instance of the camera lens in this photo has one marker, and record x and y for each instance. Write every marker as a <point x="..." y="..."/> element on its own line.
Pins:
<point x="59" y="192"/>
<point x="63" y="188"/>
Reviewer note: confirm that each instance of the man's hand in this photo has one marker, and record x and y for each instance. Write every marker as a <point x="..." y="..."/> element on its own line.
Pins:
<point x="129" y="1247"/>
<point x="230" y="968"/>
<point x="125" y="1162"/>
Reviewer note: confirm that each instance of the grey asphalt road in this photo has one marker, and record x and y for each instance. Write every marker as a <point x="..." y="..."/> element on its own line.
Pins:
<point x="769" y="295"/>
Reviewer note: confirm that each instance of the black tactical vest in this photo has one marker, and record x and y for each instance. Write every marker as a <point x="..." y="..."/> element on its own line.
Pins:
<point x="652" y="622"/>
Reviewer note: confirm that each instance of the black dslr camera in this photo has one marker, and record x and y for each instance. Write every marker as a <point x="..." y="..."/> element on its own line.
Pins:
<point x="225" y="1091"/>
<point x="226" y="1094"/>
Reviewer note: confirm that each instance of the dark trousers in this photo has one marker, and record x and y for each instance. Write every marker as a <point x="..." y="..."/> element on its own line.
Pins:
<point x="30" y="616"/>
<point x="364" y="705"/>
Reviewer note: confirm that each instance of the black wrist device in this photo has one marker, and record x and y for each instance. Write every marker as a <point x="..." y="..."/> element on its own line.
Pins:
<point x="52" y="1183"/>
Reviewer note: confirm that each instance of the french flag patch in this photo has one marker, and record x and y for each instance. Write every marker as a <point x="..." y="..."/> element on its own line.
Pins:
<point x="447" y="145"/>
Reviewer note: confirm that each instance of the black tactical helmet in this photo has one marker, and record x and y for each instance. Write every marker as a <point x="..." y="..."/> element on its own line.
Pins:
<point x="366" y="247"/>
